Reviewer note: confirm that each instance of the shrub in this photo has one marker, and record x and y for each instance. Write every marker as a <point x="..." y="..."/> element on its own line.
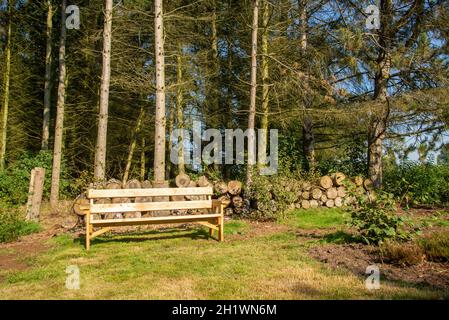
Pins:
<point x="375" y="218"/>
<point x="273" y="196"/>
<point x="14" y="182"/>
<point x="414" y="183"/>
<point x="12" y="226"/>
<point x="403" y="254"/>
<point x="436" y="246"/>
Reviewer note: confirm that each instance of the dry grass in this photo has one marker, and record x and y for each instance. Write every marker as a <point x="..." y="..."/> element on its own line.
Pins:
<point x="186" y="264"/>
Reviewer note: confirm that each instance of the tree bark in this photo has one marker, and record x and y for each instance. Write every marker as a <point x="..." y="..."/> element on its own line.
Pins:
<point x="132" y="146"/>
<point x="265" y="87"/>
<point x="47" y="81"/>
<point x="100" y="156"/>
<point x="142" y="160"/>
<point x="6" y="79"/>
<point x="180" y="113"/>
<point x="307" y="128"/>
<point x="59" y="127"/>
<point x="159" y="136"/>
<point x="378" y="121"/>
<point x="253" y="92"/>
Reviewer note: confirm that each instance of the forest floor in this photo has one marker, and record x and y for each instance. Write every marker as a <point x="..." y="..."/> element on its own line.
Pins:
<point x="305" y="256"/>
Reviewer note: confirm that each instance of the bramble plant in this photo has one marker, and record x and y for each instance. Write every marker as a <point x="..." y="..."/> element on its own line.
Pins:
<point x="374" y="216"/>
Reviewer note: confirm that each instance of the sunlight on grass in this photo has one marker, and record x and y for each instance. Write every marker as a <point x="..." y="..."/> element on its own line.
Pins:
<point x="319" y="218"/>
<point x="187" y="264"/>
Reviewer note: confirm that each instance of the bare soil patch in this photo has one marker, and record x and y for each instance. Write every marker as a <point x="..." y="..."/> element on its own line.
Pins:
<point x="356" y="257"/>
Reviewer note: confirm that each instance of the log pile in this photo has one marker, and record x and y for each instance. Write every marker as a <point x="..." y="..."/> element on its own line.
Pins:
<point x="330" y="191"/>
<point x="230" y="194"/>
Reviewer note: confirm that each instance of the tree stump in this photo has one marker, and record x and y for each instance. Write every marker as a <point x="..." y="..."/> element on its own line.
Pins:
<point x="305" y="204"/>
<point x="326" y="182"/>
<point x="339" y="178"/>
<point x="182" y="180"/>
<point x="331" y="193"/>
<point x="316" y="193"/>
<point x="35" y="193"/>
<point x="221" y="188"/>
<point x="330" y="203"/>
<point x="234" y="187"/>
<point x="313" y="203"/>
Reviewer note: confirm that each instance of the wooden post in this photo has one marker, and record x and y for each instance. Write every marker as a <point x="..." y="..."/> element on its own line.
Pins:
<point x="35" y="194"/>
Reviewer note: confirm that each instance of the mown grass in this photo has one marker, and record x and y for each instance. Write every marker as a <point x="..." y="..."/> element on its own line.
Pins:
<point x="319" y="218"/>
<point x="187" y="264"/>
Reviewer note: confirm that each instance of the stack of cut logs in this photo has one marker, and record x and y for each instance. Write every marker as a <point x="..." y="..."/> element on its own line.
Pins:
<point x="230" y="195"/>
<point x="330" y="191"/>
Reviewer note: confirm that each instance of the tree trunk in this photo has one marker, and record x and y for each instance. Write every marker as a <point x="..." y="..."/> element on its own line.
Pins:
<point x="36" y="190"/>
<point x="59" y="127"/>
<point x="180" y="113"/>
<point x="307" y="128"/>
<point x="159" y="134"/>
<point x="171" y="124"/>
<point x="100" y="157"/>
<point x="47" y="81"/>
<point x="142" y="160"/>
<point x="6" y="79"/>
<point x="265" y="88"/>
<point x="132" y="146"/>
<point x="378" y="121"/>
<point x="253" y="92"/>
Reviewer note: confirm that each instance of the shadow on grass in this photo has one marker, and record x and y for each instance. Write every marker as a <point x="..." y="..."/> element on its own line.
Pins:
<point x="340" y="237"/>
<point x="150" y="235"/>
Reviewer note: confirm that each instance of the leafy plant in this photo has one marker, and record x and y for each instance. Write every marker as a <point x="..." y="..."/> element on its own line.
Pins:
<point x="14" y="181"/>
<point x="414" y="183"/>
<point x="374" y="216"/>
<point x="12" y="226"/>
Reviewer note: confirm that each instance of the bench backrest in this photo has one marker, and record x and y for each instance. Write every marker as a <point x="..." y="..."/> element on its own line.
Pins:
<point x="203" y="192"/>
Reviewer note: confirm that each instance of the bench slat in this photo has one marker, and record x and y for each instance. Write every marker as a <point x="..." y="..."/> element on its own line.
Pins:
<point x="153" y="192"/>
<point x="155" y="220"/>
<point x="150" y="206"/>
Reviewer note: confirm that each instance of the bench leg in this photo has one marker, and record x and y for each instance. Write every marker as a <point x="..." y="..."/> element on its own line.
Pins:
<point x="211" y="232"/>
<point x="88" y="229"/>
<point x="220" y="229"/>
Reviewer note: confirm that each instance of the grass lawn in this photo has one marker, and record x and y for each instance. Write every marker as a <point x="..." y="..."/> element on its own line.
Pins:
<point x="256" y="261"/>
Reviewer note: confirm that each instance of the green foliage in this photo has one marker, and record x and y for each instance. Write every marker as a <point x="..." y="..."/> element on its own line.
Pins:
<point x="375" y="218"/>
<point x="12" y="226"/>
<point x="436" y="246"/>
<point x="414" y="183"/>
<point x="274" y="196"/>
<point x="352" y="161"/>
<point x="14" y="181"/>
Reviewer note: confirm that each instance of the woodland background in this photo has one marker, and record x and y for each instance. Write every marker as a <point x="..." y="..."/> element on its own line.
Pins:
<point x="343" y="97"/>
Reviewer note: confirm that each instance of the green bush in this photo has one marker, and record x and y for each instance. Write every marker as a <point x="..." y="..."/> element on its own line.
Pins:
<point x="375" y="218"/>
<point x="273" y="196"/>
<point x="415" y="183"/>
<point x="436" y="246"/>
<point x="12" y="226"/>
<point x="14" y="181"/>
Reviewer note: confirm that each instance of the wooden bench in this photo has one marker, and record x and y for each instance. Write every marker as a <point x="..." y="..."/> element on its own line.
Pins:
<point x="213" y="219"/>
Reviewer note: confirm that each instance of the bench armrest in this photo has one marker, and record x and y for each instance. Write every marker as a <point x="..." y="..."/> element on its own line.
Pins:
<point x="217" y="204"/>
